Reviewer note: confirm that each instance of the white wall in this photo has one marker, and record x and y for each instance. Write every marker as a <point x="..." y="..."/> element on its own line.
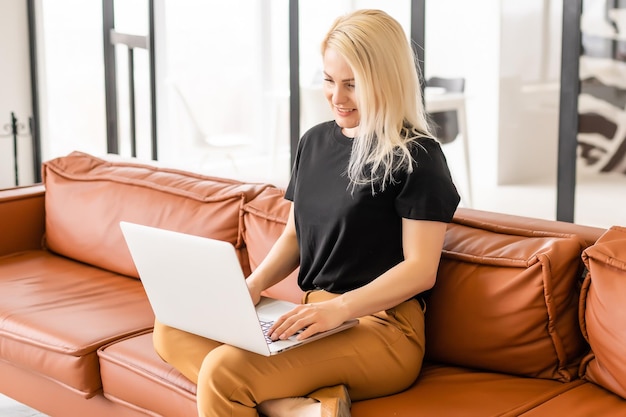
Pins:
<point x="15" y="93"/>
<point x="530" y="72"/>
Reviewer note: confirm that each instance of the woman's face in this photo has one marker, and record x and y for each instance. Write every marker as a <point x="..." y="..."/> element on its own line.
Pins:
<point x="339" y="90"/>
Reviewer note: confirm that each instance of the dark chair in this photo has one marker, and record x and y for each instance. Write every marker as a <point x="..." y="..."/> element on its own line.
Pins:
<point x="446" y="123"/>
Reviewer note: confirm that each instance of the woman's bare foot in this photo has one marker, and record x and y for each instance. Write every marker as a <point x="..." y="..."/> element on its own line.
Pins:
<point x="291" y="407"/>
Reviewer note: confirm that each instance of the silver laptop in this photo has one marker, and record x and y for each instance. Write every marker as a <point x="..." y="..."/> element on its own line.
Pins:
<point x="196" y="284"/>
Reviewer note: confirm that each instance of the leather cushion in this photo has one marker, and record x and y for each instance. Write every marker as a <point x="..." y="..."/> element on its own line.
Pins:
<point x="264" y="220"/>
<point x="506" y="300"/>
<point x="454" y="391"/>
<point x="603" y="311"/>
<point x="87" y="197"/>
<point x="583" y="400"/>
<point x="134" y="375"/>
<point x="55" y="313"/>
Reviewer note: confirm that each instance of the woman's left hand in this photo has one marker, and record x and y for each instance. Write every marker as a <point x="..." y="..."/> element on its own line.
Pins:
<point x="307" y="320"/>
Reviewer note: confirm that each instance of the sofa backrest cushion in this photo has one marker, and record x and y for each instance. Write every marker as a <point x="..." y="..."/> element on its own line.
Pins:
<point x="264" y="220"/>
<point x="506" y="300"/>
<point x="87" y="197"/>
<point x="603" y="311"/>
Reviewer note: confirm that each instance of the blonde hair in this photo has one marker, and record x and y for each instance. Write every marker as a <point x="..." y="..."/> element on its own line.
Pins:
<point x="388" y="94"/>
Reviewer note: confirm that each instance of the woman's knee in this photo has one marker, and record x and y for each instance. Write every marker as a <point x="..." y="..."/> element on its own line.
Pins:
<point x="184" y="351"/>
<point x="227" y="363"/>
<point x="229" y="373"/>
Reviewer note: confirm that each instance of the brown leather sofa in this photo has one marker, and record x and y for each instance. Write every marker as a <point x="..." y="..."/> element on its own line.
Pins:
<point x="515" y="324"/>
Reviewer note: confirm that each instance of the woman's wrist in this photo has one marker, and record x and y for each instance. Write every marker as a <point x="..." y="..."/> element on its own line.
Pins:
<point x="254" y="287"/>
<point x="343" y="306"/>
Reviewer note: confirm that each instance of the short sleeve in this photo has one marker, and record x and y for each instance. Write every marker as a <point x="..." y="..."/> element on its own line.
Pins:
<point x="428" y="192"/>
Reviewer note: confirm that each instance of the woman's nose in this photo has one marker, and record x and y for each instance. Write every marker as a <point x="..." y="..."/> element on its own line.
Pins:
<point x="338" y="95"/>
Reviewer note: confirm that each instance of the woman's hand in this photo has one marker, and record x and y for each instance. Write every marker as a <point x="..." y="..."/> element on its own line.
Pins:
<point x="308" y="319"/>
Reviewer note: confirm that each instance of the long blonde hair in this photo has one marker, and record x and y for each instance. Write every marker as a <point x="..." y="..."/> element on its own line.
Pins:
<point x="387" y="91"/>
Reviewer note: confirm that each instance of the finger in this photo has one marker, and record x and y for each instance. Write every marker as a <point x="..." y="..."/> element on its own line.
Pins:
<point x="292" y="326"/>
<point x="307" y="332"/>
<point x="277" y="329"/>
<point x="292" y="322"/>
<point x="276" y="325"/>
<point x="282" y="324"/>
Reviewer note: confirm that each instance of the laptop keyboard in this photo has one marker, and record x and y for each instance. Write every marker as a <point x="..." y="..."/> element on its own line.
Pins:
<point x="265" y="325"/>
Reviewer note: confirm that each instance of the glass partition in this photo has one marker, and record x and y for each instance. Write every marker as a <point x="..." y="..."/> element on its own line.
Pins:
<point x="600" y="193"/>
<point x="223" y="72"/>
<point x="71" y="78"/>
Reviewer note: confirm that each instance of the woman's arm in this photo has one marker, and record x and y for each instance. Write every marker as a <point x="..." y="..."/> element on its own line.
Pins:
<point x="422" y="244"/>
<point x="282" y="259"/>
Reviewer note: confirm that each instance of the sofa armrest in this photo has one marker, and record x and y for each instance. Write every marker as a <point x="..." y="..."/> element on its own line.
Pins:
<point x="21" y="218"/>
<point x="589" y="234"/>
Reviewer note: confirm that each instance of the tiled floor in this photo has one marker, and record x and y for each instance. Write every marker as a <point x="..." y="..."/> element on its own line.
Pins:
<point x="11" y="408"/>
<point x="598" y="202"/>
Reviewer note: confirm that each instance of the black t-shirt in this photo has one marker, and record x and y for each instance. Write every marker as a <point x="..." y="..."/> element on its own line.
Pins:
<point x="348" y="237"/>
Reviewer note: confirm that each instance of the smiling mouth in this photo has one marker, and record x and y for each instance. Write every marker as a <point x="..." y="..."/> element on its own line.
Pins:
<point x="344" y="112"/>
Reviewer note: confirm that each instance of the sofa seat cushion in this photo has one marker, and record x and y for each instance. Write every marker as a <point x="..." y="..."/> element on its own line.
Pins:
<point x="603" y="311"/>
<point x="55" y="313"/>
<point x="134" y="375"/>
<point x="584" y="400"/>
<point x="454" y="391"/>
<point x="506" y="300"/>
<point x="87" y="197"/>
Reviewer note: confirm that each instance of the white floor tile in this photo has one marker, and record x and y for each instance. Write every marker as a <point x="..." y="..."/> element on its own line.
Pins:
<point x="12" y="408"/>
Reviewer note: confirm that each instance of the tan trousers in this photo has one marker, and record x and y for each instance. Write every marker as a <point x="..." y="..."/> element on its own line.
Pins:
<point x="381" y="356"/>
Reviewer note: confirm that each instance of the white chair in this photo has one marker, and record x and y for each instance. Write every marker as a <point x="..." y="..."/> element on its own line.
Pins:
<point x="215" y="145"/>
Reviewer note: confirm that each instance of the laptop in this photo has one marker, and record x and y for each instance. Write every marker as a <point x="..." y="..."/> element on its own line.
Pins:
<point x="196" y="284"/>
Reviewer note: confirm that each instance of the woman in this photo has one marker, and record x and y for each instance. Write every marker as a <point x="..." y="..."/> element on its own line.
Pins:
<point x="371" y="195"/>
